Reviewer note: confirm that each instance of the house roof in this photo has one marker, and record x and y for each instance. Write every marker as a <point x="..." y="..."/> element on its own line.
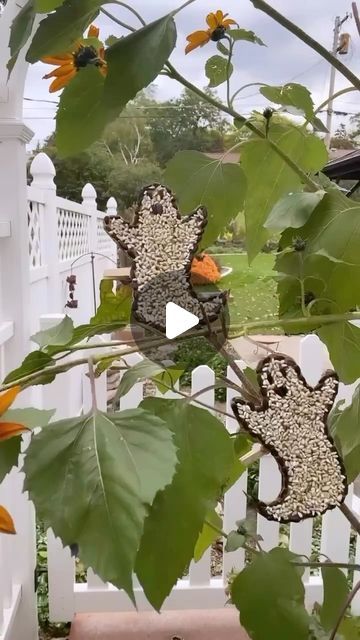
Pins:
<point x="346" y="167"/>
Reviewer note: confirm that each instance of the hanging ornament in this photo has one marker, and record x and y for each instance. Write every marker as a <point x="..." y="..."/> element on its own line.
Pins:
<point x="291" y="423"/>
<point x="162" y="244"/>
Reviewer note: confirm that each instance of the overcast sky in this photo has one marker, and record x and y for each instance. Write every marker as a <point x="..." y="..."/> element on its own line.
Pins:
<point x="284" y="59"/>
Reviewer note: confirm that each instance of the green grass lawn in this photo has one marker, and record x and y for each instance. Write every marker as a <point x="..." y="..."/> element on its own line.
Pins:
<point x="254" y="293"/>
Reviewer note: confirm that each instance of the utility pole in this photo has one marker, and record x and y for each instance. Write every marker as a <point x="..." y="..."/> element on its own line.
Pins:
<point x="338" y="24"/>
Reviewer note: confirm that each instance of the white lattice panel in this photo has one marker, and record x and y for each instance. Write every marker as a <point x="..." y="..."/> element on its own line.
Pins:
<point x="104" y="242"/>
<point x="33" y="216"/>
<point x="73" y="234"/>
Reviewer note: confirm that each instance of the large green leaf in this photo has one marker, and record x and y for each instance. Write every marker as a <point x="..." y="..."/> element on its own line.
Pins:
<point x="33" y="362"/>
<point x="219" y="186"/>
<point x="264" y="168"/>
<point x="59" y="30"/>
<point x="294" y="210"/>
<point x="335" y="593"/>
<point x="58" y="335"/>
<point x="140" y="371"/>
<point x="345" y="428"/>
<point x="20" y="32"/>
<point x="136" y="61"/>
<point x="10" y="449"/>
<point x="45" y="6"/>
<point x="291" y="95"/>
<point x="82" y="113"/>
<point x="218" y="70"/>
<point x="205" y="454"/>
<point x="92" y="480"/>
<point x="113" y="306"/>
<point x="208" y="534"/>
<point x="84" y="331"/>
<point x="269" y="594"/>
<point x="343" y="342"/>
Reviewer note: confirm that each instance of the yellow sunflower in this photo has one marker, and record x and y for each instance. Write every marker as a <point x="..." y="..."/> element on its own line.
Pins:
<point x="69" y="63"/>
<point x="218" y="23"/>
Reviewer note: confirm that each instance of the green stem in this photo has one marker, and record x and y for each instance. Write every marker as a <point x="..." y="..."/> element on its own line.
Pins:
<point x="228" y="68"/>
<point x="183" y="6"/>
<point x="92" y="385"/>
<point x="313" y="44"/>
<point x="351" y="517"/>
<point x="237" y="116"/>
<point x="216" y="529"/>
<point x="344" y="609"/>
<point x="334" y="96"/>
<point x="239" y="330"/>
<point x="131" y="9"/>
<point x="117" y="21"/>
<point x="246" y="86"/>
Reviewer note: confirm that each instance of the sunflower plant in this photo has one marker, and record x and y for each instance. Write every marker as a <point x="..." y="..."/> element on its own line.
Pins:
<point x="161" y="496"/>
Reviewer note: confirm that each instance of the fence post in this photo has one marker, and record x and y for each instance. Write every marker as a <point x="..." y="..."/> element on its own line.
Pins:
<point x="90" y="207"/>
<point x="111" y="207"/>
<point x="43" y="174"/>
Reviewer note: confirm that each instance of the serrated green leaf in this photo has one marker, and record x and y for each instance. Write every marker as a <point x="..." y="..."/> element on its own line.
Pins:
<point x="82" y="113"/>
<point x="84" y="331"/>
<point x="205" y="455"/>
<point x="291" y="95"/>
<point x="343" y="342"/>
<point x="34" y="361"/>
<point x="20" y="32"/>
<point x="217" y="185"/>
<point x="45" y="6"/>
<point x="114" y="307"/>
<point x="140" y="371"/>
<point x="318" y="125"/>
<point x="168" y="377"/>
<point x="345" y="428"/>
<point x="59" y="335"/>
<point x="293" y="210"/>
<point x="218" y="70"/>
<point x="10" y="449"/>
<point x="93" y="483"/>
<point x="137" y="60"/>
<point x="244" y="34"/>
<point x="269" y="594"/>
<point x="335" y="593"/>
<point x="262" y="165"/>
<point x="208" y="534"/>
<point x="58" y="31"/>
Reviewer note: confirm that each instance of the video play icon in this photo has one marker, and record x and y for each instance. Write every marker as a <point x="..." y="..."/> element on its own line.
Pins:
<point x="178" y="320"/>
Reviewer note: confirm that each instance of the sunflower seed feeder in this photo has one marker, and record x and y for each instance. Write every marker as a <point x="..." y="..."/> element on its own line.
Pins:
<point x="162" y="244"/>
<point x="291" y="423"/>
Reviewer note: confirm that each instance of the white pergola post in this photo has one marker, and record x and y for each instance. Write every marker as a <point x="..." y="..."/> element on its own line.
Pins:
<point x="15" y="289"/>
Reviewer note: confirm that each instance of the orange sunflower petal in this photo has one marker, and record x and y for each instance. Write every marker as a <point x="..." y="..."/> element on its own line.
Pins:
<point x="7" y="398"/>
<point x="197" y="39"/>
<point x="93" y="31"/>
<point x="211" y="21"/>
<point x="57" y="59"/>
<point x="60" y="83"/>
<point x="228" y="22"/>
<point x="11" y="429"/>
<point x="6" y="522"/>
<point x="103" y="70"/>
<point x="219" y="16"/>
<point x="60" y="71"/>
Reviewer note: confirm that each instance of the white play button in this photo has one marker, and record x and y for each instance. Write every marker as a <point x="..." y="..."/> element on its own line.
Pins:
<point x="178" y="320"/>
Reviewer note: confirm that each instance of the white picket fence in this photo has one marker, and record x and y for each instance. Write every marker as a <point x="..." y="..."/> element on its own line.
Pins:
<point x="59" y="233"/>
<point x="199" y="589"/>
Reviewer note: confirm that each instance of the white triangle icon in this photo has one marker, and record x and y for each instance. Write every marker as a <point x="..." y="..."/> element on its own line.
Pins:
<point x="178" y="320"/>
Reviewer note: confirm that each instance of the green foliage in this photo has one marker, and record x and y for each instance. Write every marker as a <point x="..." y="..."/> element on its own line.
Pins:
<point x="21" y="29"/>
<point x="344" y="426"/>
<point x="45" y="6"/>
<point x="208" y="535"/>
<point x="116" y="462"/>
<point x="114" y="307"/>
<point x="127" y="180"/>
<point x="244" y="34"/>
<point x="291" y="95"/>
<point x="59" y="335"/>
<point x="293" y="210"/>
<point x="33" y="362"/>
<point x="58" y="31"/>
<point x="343" y="341"/>
<point x="335" y="593"/>
<point x="138" y="59"/>
<point x="169" y="539"/>
<point x="218" y="70"/>
<point x="269" y="594"/>
<point x="262" y="165"/>
<point x="199" y="180"/>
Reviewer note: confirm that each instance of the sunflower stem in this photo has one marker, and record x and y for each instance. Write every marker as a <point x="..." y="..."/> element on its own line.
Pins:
<point x="228" y="71"/>
<point x="131" y="9"/>
<point x="117" y="21"/>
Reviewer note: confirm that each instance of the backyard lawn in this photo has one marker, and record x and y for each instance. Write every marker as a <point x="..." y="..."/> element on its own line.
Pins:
<point x="254" y="293"/>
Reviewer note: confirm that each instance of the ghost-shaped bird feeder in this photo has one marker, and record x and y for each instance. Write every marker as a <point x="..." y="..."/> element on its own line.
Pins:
<point x="163" y="244"/>
<point x="291" y="423"/>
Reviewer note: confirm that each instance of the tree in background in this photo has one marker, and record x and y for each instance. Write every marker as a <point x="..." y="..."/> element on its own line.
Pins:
<point x="342" y="138"/>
